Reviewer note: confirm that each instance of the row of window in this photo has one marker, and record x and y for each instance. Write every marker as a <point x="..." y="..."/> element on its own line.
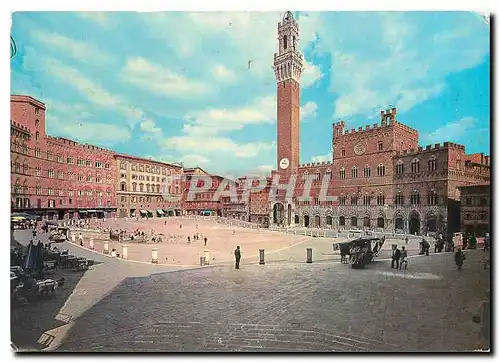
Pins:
<point x="380" y="146"/>
<point x="146" y="168"/>
<point x="26" y="203"/>
<point x="147" y="188"/>
<point x="141" y="199"/>
<point x="476" y="201"/>
<point x="144" y="178"/>
<point x="18" y="189"/>
<point x="25" y="170"/>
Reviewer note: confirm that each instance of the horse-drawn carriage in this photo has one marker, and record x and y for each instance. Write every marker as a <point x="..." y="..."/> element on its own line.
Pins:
<point x="360" y="251"/>
<point x="59" y="234"/>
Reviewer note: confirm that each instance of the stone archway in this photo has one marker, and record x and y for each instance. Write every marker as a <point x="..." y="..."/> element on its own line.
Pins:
<point x="317" y="221"/>
<point x="414" y="223"/>
<point x="289" y="214"/>
<point x="381" y="222"/>
<point x="431" y="222"/>
<point x="354" y="221"/>
<point x="278" y="213"/>
<point x="399" y="223"/>
<point x="366" y="221"/>
<point x="306" y="221"/>
<point x="329" y="221"/>
<point x="341" y="221"/>
<point x="297" y="219"/>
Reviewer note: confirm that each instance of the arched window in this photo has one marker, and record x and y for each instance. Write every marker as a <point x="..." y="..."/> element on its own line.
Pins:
<point x="400" y="169"/>
<point x="380" y="199"/>
<point x="432" y="164"/>
<point x="367" y="171"/>
<point x="415" y="198"/>
<point x="141" y="187"/>
<point x="415" y="165"/>
<point x="342" y="151"/>
<point x="341" y="200"/>
<point x="37" y="135"/>
<point x="147" y="187"/>
<point x="432" y="197"/>
<point x="37" y="123"/>
<point x="354" y="199"/>
<point x="317" y="175"/>
<point x="399" y="199"/>
<point x="342" y="221"/>
<point x="305" y="175"/>
<point x="134" y="186"/>
<point x="354" y="172"/>
<point x="342" y="173"/>
<point x="366" y="199"/>
<point x="329" y="174"/>
<point x="158" y="188"/>
<point x="123" y="186"/>
<point x="285" y="42"/>
<point x="380" y="170"/>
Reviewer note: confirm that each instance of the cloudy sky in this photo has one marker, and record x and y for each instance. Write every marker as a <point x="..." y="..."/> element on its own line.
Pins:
<point x="177" y="87"/>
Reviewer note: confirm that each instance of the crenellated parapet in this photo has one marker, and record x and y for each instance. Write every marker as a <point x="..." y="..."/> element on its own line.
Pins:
<point x="432" y="148"/>
<point x="61" y="141"/>
<point x="315" y="164"/>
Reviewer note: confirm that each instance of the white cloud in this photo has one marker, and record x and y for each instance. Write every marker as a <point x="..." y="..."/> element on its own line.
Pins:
<point x="89" y="132"/>
<point x="397" y="58"/>
<point x="323" y="158"/>
<point x="223" y="74"/>
<point x="97" y="16"/>
<point x="162" y="81"/>
<point x="308" y="110"/>
<point x="79" y="50"/>
<point x="149" y="126"/>
<point x="311" y="75"/>
<point x="192" y="160"/>
<point x="93" y="91"/>
<point x="451" y="131"/>
<point x="213" y="121"/>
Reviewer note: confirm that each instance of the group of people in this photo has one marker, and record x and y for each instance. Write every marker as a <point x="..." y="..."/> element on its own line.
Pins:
<point x="399" y="257"/>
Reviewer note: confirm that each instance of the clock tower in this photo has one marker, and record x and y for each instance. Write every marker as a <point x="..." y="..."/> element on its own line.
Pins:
<point x="288" y="67"/>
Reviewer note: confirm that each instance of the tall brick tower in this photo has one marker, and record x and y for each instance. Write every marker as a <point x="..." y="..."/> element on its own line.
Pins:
<point x="288" y="67"/>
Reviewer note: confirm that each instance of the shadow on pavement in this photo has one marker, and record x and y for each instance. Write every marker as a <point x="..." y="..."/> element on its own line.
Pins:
<point x="30" y="321"/>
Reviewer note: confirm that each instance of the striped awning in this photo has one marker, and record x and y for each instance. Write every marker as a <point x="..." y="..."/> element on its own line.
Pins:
<point x="159" y="211"/>
<point x="143" y="211"/>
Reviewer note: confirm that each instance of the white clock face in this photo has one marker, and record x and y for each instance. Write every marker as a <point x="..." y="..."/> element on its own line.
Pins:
<point x="284" y="163"/>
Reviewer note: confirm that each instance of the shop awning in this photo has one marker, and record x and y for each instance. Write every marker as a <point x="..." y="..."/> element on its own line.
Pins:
<point x="92" y="210"/>
<point x="82" y="211"/>
<point x="159" y="211"/>
<point x="149" y="212"/>
<point x="142" y="211"/>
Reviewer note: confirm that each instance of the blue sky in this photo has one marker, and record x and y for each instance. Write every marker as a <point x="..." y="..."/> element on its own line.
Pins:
<point x="176" y="86"/>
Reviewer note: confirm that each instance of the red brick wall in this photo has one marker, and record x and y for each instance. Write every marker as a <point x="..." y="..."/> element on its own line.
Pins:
<point x="288" y="127"/>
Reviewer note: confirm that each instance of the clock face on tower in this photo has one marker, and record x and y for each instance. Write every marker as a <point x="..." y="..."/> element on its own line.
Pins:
<point x="284" y="163"/>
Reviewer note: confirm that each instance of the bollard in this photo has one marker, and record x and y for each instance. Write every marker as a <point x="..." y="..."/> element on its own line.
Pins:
<point x="154" y="256"/>
<point x="261" y="256"/>
<point x="124" y="251"/>
<point x="91" y="244"/>
<point x="202" y="261"/>
<point x="106" y="247"/>
<point x="295" y="232"/>
<point x="73" y="238"/>
<point x="324" y="234"/>
<point x="207" y="257"/>
<point x="309" y="255"/>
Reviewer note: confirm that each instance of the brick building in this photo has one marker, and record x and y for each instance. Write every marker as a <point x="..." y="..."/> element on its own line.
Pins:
<point x="203" y="200"/>
<point x="141" y="186"/>
<point x="379" y="178"/>
<point x="475" y="211"/>
<point x="56" y="177"/>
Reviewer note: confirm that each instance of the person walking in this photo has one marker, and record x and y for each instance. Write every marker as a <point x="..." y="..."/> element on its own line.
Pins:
<point x="396" y="254"/>
<point x="205" y="241"/>
<point x="459" y="258"/>
<point x="404" y="258"/>
<point x="237" y="257"/>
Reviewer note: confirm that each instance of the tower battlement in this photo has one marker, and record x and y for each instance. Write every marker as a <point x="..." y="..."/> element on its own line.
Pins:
<point x="432" y="148"/>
